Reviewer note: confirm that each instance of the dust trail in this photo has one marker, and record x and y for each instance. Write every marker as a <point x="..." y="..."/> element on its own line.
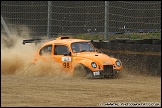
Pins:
<point x="16" y="58"/>
<point x="41" y="68"/>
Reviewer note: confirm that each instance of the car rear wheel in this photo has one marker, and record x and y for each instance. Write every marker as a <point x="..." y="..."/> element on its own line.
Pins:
<point x="82" y="71"/>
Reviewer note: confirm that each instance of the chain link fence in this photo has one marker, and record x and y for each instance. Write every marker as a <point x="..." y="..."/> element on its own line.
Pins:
<point x="40" y="18"/>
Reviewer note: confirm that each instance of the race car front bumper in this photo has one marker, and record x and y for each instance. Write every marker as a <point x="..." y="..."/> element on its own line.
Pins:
<point x="108" y="71"/>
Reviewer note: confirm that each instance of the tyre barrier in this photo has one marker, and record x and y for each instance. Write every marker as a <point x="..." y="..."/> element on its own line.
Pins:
<point x="138" y="41"/>
<point x="148" y="41"/>
<point x="130" y="42"/>
<point x="121" y="40"/>
<point x="156" y="42"/>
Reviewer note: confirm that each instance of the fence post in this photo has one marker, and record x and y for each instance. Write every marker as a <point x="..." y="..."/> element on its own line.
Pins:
<point x="5" y="26"/>
<point x="49" y="19"/>
<point x="106" y="29"/>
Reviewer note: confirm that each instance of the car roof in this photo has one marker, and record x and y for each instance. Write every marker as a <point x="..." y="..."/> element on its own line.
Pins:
<point x="65" y="41"/>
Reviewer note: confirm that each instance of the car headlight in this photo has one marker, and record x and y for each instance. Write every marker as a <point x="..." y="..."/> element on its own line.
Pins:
<point x="118" y="63"/>
<point x="93" y="64"/>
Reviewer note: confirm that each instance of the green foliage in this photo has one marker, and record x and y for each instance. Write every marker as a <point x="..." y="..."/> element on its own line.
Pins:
<point x="137" y="36"/>
<point x="114" y="36"/>
<point x="88" y="37"/>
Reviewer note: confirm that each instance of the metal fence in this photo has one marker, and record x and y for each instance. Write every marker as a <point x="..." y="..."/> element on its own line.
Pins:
<point x="42" y="18"/>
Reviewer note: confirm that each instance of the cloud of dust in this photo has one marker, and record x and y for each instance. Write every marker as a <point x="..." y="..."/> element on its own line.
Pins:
<point x="16" y="58"/>
<point x="41" y="68"/>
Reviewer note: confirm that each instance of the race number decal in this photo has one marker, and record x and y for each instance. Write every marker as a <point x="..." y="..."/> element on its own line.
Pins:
<point x="66" y="65"/>
<point x="66" y="59"/>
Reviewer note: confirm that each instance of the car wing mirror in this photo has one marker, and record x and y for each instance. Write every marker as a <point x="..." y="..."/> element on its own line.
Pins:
<point x="98" y="51"/>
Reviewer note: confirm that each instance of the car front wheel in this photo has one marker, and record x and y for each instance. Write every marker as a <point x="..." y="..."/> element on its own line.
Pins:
<point x="82" y="72"/>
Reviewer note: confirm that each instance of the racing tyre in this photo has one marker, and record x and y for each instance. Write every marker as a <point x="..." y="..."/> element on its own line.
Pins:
<point x="156" y="42"/>
<point x="82" y="71"/>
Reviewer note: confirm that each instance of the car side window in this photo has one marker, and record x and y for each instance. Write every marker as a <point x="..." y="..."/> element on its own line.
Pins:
<point x="75" y="47"/>
<point x="61" y="50"/>
<point x="46" y="50"/>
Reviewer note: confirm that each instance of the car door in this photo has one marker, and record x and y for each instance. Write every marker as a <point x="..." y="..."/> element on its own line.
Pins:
<point x="62" y="56"/>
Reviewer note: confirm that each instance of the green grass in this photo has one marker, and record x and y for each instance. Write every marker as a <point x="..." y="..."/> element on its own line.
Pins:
<point x="114" y="36"/>
<point x="88" y="37"/>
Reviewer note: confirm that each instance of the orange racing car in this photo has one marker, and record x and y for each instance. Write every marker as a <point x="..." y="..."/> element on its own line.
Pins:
<point x="78" y="57"/>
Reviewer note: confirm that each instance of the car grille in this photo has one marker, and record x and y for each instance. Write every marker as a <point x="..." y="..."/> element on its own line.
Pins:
<point x="108" y="69"/>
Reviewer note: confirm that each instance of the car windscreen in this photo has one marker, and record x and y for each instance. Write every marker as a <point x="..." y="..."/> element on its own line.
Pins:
<point x="82" y="47"/>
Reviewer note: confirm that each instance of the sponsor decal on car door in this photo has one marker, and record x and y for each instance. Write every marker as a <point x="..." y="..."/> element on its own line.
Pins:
<point x="61" y="55"/>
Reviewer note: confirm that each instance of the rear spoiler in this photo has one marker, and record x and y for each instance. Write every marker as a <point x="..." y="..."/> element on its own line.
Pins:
<point x="37" y="40"/>
<point x="32" y="41"/>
